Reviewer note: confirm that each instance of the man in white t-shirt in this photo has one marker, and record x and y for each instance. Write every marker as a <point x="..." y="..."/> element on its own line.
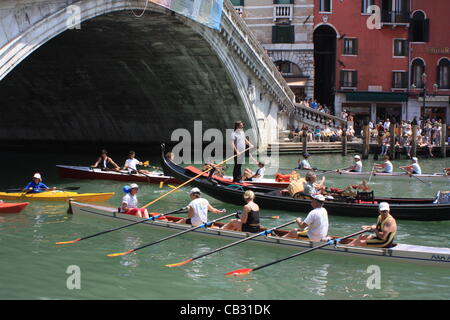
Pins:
<point x="316" y="222"/>
<point x="304" y="164"/>
<point x="357" y="166"/>
<point x="132" y="162"/>
<point x="238" y="143"/>
<point x="413" y="168"/>
<point x="198" y="209"/>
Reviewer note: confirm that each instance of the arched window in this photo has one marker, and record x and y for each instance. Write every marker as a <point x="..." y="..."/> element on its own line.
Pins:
<point x="419" y="27"/>
<point x="288" y="68"/>
<point x="417" y="70"/>
<point x="443" y="74"/>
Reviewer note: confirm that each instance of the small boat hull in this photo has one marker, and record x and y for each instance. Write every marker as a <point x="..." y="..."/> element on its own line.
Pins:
<point x="399" y="253"/>
<point x="78" y="172"/>
<point x="8" y="207"/>
<point x="57" y="196"/>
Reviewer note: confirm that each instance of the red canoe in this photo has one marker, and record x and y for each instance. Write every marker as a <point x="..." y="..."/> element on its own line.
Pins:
<point x="7" y="207"/>
<point x="75" y="172"/>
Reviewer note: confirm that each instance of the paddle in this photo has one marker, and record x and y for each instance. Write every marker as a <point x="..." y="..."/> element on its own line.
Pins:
<point x="122" y="227"/>
<point x="204" y="225"/>
<point x="412" y="175"/>
<point x="329" y="242"/>
<point x="262" y="233"/>
<point x="371" y="173"/>
<point x="61" y="189"/>
<point x="192" y="179"/>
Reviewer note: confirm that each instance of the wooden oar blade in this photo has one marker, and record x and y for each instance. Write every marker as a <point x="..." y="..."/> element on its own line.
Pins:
<point x="120" y="253"/>
<point x="179" y="264"/>
<point x="239" y="272"/>
<point x="67" y="242"/>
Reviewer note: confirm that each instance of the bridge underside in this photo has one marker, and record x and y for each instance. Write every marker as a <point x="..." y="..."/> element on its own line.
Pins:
<point x="118" y="79"/>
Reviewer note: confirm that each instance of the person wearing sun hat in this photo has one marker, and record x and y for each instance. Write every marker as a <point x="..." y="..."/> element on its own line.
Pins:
<point x="35" y="185"/>
<point x="384" y="230"/>
<point x="413" y="168"/>
<point x="316" y="221"/>
<point x="130" y="202"/>
<point x="356" y="167"/>
<point x="198" y="209"/>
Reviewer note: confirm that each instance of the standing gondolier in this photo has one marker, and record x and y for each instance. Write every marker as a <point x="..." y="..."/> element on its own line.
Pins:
<point x="238" y="143"/>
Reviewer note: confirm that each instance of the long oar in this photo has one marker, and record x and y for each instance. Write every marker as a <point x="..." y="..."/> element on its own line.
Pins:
<point x="329" y="242"/>
<point x="122" y="227"/>
<point x="262" y="233"/>
<point x="412" y="175"/>
<point x="192" y="179"/>
<point x="62" y="189"/>
<point x="204" y="225"/>
<point x="371" y="173"/>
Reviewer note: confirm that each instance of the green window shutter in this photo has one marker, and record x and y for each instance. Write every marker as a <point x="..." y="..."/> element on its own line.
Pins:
<point x="356" y="46"/>
<point x="237" y="2"/>
<point x="291" y="34"/>
<point x="274" y="34"/>
<point x="393" y="80"/>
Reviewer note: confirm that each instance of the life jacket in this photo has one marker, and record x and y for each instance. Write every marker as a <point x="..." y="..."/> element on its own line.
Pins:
<point x="282" y="177"/>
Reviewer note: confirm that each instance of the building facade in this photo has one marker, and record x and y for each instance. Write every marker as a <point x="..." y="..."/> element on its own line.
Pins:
<point x="285" y="29"/>
<point x="374" y="58"/>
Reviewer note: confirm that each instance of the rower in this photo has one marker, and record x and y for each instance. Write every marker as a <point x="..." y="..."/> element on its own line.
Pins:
<point x="413" y="168"/>
<point x="304" y="164"/>
<point x="105" y="163"/>
<point x="130" y="202"/>
<point x="249" y="221"/>
<point x="249" y="175"/>
<point x="198" y="209"/>
<point x="316" y="222"/>
<point x="132" y="162"/>
<point x="356" y="167"/>
<point x="312" y="188"/>
<point x="386" y="165"/>
<point x="36" y="185"/>
<point x="384" y="230"/>
<point x="447" y="171"/>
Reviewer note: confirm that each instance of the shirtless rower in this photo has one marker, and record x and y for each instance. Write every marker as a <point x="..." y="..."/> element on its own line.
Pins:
<point x="105" y="163"/>
<point x="384" y="230"/>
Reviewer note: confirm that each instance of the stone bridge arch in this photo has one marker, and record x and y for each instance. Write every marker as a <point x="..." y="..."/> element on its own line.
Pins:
<point x="73" y="85"/>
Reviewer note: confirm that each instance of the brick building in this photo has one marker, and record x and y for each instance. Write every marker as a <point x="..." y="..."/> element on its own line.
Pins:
<point x="372" y="57"/>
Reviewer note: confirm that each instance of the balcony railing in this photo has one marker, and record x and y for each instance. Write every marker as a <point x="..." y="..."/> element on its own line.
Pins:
<point x="308" y="115"/>
<point x="394" y="17"/>
<point x="348" y="84"/>
<point x="283" y="11"/>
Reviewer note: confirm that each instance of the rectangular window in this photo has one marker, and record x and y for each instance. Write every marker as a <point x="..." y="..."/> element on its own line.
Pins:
<point x="350" y="46"/>
<point x="237" y="2"/>
<point x="283" y="1"/>
<point x="400" y="47"/>
<point x="365" y="4"/>
<point x="283" y="34"/>
<point x="325" y="6"/>
<point x="349" y="78"/>
<point x="399" y="79"/>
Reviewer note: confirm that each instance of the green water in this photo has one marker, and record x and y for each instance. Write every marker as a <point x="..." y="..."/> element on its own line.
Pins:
<point x="33" y="267"/>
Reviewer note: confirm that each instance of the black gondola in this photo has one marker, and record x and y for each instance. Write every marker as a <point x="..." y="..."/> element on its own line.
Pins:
<point x="423" y="209"/>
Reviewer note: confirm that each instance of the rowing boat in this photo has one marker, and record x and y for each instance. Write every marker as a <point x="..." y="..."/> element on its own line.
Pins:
<point x="400" y="252"/>
<point x="424" y="209"/>
<point x="57" y="195"/>
<point x="432" y="177"/>
<point x="9" y="207"/>
<point x="78" y="172"/>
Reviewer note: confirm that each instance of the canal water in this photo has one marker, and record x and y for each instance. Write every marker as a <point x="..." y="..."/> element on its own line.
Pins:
<point x="33" y="267"/>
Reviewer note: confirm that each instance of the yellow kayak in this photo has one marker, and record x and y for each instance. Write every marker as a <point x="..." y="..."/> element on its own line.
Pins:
<point x="57" y="195"/>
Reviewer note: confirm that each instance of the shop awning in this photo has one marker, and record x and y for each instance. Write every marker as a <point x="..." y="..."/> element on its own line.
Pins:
<point x="377" y="96"/>
<point x="296" y="82"/>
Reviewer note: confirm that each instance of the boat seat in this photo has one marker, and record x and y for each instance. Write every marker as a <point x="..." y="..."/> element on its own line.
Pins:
<point x="365" y="197"/>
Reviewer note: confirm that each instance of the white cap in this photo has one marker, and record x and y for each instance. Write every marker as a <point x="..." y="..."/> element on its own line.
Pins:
<point x="414" y="159"/>
<point x="194" y="190"/>
<point x="357" y="157"/>
<point x="383" y="206"/>
<point x="319" y="197"/>
<point x="37" y="176"/>
<point x="134" y="186"/>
